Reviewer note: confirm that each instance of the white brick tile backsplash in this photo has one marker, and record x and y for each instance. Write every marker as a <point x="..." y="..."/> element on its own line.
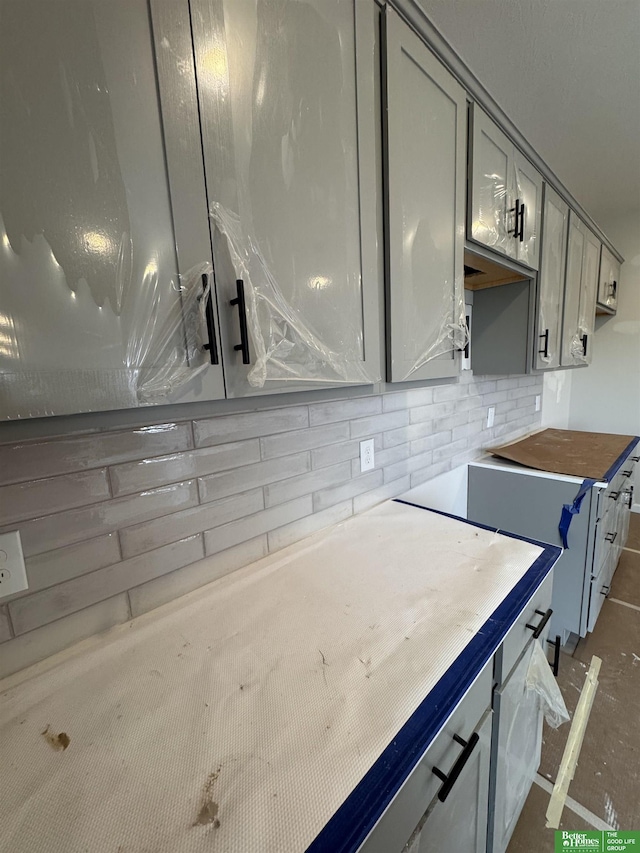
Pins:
<point x="64" y="528"/>
<point x="40" y="497"/>
<point x="113" y="522"/>
<point x="68" y="597"/>
<point x="226" y="428"/>
<point x="34" y="459"/>
<point x="150" y="473"/>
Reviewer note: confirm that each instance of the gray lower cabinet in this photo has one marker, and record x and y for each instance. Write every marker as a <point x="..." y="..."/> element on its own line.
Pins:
<point x="479" y="811"/>
<point x="529" y="503"/>
<point x="426" y="116"/>
<point x="581" y="284"/>
<point x="462" y="818"/>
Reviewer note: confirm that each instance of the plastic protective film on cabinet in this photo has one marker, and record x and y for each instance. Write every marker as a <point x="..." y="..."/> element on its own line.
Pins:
<point x="96" y="313"/>
<point x="426" y="146"/>
<point x="279" y="92"/>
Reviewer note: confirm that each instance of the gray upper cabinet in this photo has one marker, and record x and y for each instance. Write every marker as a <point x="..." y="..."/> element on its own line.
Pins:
<point x="608" y="282"/>
<point x="425" y="182"/>
<point x="285" y="104"/>
<point x="154" y="155"/>
<point x="578" y="322"/>
<point x="505" y="194"/>
<point x="551" y="280"/>
<point x="98" y="310"/>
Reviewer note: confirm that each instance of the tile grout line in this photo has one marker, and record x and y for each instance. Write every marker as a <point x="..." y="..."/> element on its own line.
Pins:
<point x="574" y="806"/>
<point x="631" y="550"/>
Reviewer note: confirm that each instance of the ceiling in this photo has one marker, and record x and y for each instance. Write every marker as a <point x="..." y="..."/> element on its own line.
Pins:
<point x="567" y="73"/>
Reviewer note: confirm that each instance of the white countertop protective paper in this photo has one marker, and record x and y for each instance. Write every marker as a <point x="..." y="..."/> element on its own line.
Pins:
<point x="240" y="717"/>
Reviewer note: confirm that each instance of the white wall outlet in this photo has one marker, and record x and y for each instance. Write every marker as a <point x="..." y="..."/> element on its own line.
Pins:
<point x="13" y="575"/>
<point x="538" y="402"/>
<point x="367" y="458"/>
<point x="491" y="414"/>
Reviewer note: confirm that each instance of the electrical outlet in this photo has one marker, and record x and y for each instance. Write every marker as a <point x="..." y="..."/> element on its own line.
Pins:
<point x="491" y="413"/>
<point x="13" y="575"/>
<point x="538" y="401"/>
<point x="367" y="458"/>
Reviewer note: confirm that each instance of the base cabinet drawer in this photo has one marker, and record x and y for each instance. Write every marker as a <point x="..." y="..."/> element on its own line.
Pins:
<point x="534" y="618"/>
<point x="462" y="818"/>
<point x="418" y="795"/>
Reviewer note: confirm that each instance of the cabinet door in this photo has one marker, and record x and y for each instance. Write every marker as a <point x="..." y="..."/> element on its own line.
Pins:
<point x="609" y="280"/>
<point x="588" y="291"/>
<point x="528" y="208"/>
<point x="460" y="823"/>
<point x="551" y="280"/>
<point x="491" y="180"/>
<point x="426" y="128"/>
<point x="98" y="312"/>
<point x="572" y="347"/>
<point x="519" y="747"/>
<point x="279" y="104"/>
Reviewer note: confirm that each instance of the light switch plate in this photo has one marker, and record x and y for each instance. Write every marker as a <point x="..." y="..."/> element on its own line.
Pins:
<point x="491" y="413"/>
<point x="538" y="401"/>
<point x="13" y="575"/>
<point x="367" y="458"/>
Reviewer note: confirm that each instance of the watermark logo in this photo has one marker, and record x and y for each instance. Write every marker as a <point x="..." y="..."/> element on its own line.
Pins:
<point x="609" y="841"/>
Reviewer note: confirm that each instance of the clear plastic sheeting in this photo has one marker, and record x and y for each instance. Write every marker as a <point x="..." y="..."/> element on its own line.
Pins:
<point x="444" y="331"/>
<point x="285" y="345"/>
<point x="541" y="681"/>
<point x="94" y="314"/>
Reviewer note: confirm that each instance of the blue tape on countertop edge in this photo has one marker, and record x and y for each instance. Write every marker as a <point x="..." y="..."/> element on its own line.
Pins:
<point x="569" y="510"/>
<point x="356" y="817"/>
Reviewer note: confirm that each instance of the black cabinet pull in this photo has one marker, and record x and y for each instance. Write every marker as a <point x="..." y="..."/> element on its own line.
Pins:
<point x="605" y="590"/>
<point x="614" y="288"/>
<point x="212" y="346"/>
<point x="538" y="629"/>
<point x="584" y="344"/>
<point x="611" y="537"/>
<point x="627" y="473"/>
<point x="243" y="346"/>
<point x="545" y="351"/>
<point x="555" y="666"/>
<point x="516" y="219"/>
<point x="449" y="781"/>
<point x="634" y="458"/>
<point x="522" y="211"/>
<point x="614" y="496"/>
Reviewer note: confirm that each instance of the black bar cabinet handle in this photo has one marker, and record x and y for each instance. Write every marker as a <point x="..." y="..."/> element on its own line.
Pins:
<point x="611" y="537"/>
<point x="634" y="458"/>
<point x="605" y="590"/>
<point x="516" y="219"/>
<point x="522" y="211"/>
<point x="243" y="346"/>
<point x="538" y="629"/>
<point x="449" y="781"/>
<point x="614" y="496"/>
<point x="627" y="473"/>
<point x="545" y="351"/>
<point x="212" y="346"/>
<point x="555" y="666"/>
<point x="584" y="344"/>
<point x="614" y="288"/>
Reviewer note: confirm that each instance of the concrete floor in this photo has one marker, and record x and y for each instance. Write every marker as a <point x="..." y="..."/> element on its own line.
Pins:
<point x="605" y="792"/>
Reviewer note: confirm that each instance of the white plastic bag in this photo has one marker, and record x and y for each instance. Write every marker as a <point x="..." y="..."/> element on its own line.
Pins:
<point x="540" y="679"/>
